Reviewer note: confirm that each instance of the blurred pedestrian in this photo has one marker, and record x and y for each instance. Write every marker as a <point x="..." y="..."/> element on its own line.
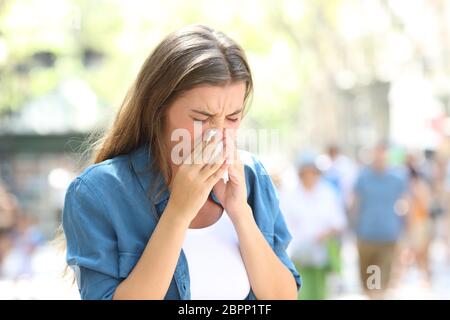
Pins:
<point x="315" y="217"/>
<point x="379" y="190"/>
<point x="26" y="238"/>
<point x="340" y="171"/>
<point x="419" y="224"/>
<point x="434" y="176"/>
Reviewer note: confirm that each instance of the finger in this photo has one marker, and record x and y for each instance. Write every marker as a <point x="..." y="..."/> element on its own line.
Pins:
<point x="211" y="153"/>
<point x="217" y="175"/>
<point x="196" y="153"/>
<point x="195" y="157"/>
<point x="212" y="167"/>
<point x="215" y="154"/>
<point x="189" y="159"/>
<point x="205" y="149"/>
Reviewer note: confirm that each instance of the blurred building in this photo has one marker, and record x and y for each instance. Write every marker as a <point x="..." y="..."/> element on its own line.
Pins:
<point x="40" y="147"/>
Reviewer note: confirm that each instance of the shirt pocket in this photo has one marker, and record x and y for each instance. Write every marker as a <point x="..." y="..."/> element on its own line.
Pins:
<point x="127" y="261"/>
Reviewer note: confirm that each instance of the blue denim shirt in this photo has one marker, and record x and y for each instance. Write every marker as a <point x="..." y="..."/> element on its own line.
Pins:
<point x="112" y="208"/>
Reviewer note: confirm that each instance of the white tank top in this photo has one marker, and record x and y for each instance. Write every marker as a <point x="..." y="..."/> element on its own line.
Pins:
<point x="216" y="269"/>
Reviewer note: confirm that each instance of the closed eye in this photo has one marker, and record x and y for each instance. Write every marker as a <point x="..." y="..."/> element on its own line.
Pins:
<point x="200" y="119"/>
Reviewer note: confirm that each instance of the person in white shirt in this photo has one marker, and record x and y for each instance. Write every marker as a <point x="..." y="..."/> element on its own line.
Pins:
<point x="314" y="215"/>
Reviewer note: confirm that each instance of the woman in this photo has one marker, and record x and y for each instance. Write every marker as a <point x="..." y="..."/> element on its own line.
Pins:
<point x="141" y="224"/>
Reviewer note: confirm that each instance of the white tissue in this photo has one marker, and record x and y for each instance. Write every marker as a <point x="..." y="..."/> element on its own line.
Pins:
<point x="212" y="133"/>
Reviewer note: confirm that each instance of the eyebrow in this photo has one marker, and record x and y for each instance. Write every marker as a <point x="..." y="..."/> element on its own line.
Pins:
<point x="206" y="113"/>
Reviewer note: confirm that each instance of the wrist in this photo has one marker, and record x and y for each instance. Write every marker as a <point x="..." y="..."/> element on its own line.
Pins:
<point x="177" y="216"/>
<point x="243" y="218"/>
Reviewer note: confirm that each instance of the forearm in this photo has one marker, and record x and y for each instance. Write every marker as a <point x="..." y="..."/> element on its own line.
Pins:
<point x="269" y="277"/>
<point x="151" y="277"/>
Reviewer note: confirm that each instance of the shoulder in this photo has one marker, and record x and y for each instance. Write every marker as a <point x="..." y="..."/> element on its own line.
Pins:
<point x="256" y="174"/>
<point x="97" y="181"/>
<point x="365" y="171"/>
<point x="399" y="175"/>
<point x="252" y="164"/>
<point x="365" y="174"/>
<point x="261" y="192"/>
<point x="108" y="171"/>
<point x="255" y="171"/>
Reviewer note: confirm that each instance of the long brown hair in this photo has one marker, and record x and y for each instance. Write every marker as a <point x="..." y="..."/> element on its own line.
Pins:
<point x="188" y="57"/>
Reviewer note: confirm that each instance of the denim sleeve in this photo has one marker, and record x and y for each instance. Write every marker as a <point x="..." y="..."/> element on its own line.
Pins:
<point x="282" y="238"/>
<point x="268" y="200"/>
<point x="91" y="242"/>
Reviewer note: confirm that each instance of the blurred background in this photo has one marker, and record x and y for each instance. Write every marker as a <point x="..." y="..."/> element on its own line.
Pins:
<point x="352" y="87"/>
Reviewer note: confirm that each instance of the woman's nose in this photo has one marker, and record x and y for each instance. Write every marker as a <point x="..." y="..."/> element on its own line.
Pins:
<point x="221" y="124"/>
<point x="218" y="123"/>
